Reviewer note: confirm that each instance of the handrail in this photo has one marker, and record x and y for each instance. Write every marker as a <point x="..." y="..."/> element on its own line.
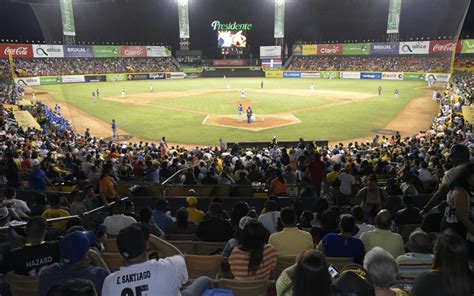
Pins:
<point x="172" y="177"/>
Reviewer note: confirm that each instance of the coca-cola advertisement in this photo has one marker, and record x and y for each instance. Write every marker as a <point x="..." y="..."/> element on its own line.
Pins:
<point x="17" y="50"/>
<point x="442" y="46"/>
<point x="330" y="49"/>
<point x="133" y="51"/>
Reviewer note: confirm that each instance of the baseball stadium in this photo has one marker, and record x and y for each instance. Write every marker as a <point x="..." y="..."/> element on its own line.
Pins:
<point x="202" y="147"/>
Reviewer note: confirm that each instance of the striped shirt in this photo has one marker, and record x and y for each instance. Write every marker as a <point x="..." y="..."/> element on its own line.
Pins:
<point x="239" y="261"/>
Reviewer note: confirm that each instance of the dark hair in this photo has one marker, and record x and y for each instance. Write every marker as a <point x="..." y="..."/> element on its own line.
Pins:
<point x="36" y="226"/>
<point x="145" y="214"/>
<point x="347" y="223"/>
<point x="358" y="213"/>
<point x="306" y="218"/>
<point x="271" y="205"/>
<point x="288" y="216"/>
<point x="41" y="199"/>
<point x="54" y="200"/>
<point x="76" y="287"/>
<point x="182" y="218"/>
<point x="161" y="205"/>
<point x="462" y="177"/>
<point x="239" y="210"/>
<point x="311" y="274"/>
<point x="252" y="240"/>
<point x="106" y="170"/>
<point x="215" y="209"/>
<point x="451" y="258"/>
<point x="329" y="220"/>
<point x="279" y="176"/>
<point x="10" y="192"/>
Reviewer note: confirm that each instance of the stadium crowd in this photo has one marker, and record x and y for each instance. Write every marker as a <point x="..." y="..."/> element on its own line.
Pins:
<point x="408" y="63"/>
<point x="73" y="66"/>
<point x="394" y="248"/>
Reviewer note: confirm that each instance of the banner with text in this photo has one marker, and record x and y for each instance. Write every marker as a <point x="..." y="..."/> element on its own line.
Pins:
<point x="267" y="52"/>
<point x="310" y="75"/>
<point x="370" y="75"/>
<point x="183" y="16"/>
<point x="357" y="49"/>
<point x="310" y="49"/>
<point x="292" y="74"/>
<point x="392" y="76"/>
<point x="467" y="46"/>
<point x="349" y="75"/>
<point x="73" y="78"/>
<point x="330" y="49"/>
<point x="67" y="17"/>
<point x="95" y="78"/>
<point x="107" y="51"/>
<point x="385" y="48"/>
<point x="48" y="51"/>
<point x="116" y="77"/>
<point x="440" y="77"/>
<point x="133" y="51"/>
<point x="157" y="51"/>
<point x="17" y="50"/>
<point x="330" y="74"/>
<point x="27" y="81"/>
<point x="273" y="74"/>
<point x="414" y="47"/>
<point x="442" y="46"/>
<point x="78" y="51"/>
<point x="50" y="80"/>
<point x="230" y="62"/>
<point x="393" y="22"/>
<point x="413" y="76"/>
<point x="279" y="25"/>
<point x="156" y="76"/>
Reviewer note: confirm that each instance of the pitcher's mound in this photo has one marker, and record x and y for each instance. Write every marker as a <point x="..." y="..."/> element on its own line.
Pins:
<point x="261" y="122"/>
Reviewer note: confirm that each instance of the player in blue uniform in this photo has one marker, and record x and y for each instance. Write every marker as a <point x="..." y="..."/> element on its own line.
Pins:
<point x="240" y="109"/>
<point x="114" y="129"/>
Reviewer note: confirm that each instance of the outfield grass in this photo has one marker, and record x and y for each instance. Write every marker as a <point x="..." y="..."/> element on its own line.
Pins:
<point x="340" y="122"/>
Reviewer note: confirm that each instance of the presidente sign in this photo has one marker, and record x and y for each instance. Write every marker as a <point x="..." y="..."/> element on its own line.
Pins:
<point x="231" y="26"/>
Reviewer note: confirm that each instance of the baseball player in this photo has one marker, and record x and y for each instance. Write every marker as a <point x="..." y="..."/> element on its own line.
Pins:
<point x="396" y="93"/>
<point x="380" y="90"/>
<point x="312" y="87"/>
<point x="240" y="110"/>
<point x="114" y="129"/>
<point x="249" y="114"/>
<point x="152" y="88"/>
<point x="123" y="92"/>
<point x="97" y="93"/>
<point x="94" y="97"/>
<point x="228" y="84"/>
<point x="242" y="93"/>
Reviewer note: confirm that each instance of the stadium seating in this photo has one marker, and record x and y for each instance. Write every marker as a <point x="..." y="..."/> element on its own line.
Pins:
<point x="22" y="285"/>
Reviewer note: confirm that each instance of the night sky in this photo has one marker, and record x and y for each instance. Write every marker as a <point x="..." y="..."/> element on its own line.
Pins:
<point x="156" y="21"/>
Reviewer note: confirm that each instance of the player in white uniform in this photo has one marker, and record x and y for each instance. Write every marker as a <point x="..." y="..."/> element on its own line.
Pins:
<point x="123" y="92"/>
<point x="152" y="88"/>
<point x="312" y="87"/>
<point x="143" y="276"/>
<point x="242" y="93"/>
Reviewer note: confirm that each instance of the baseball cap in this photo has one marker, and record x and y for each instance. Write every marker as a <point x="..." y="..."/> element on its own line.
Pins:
<point x="191" y="200"/>
<point x="353" y="281"/>
<point x="35" y="162"/>
<point x="74" y="246"/>
<point x="4" y="212"/>
<point x="244" y="221"/>
<point x="459" y="150"/>
<point x="131" y="242"/>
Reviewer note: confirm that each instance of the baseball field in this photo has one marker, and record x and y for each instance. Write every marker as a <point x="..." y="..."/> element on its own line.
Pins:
<point x="202" y="110"/>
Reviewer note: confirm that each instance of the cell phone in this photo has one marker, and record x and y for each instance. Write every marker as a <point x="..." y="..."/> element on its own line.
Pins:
<point x="333" y="271"/>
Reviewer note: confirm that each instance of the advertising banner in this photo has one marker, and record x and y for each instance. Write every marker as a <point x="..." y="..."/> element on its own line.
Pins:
<point x="73" y="78"/>
<point x="297" y="49"/>
<point x="157" y="51"/>
<point x="183" y="16"/>
<point x="267" y="52"/>
<point x="440" y="77"/>
<point x="414" y="47"/>
<point x="106" y="51"/>
<point x="78" y="51"/>
<point x="467" y="46"/>
<point x="17" y="50"/>
<point x="133" y="51"/>
<point x="349" y="75"/>
<point x="393" y="22"/>
<point x="156" y="76"/>
<point x="388" y="48"/>
<point x="357" y="49"/>
<point x="229" y="62"/>
<point x="442" y="46"/>
<point x="330" y="49"/>
<point x="48" y="51"/>
<point x="27" y="81"/>
<point x="329" y="74"/>
<point x="392" y="76"/>
<point x="274" y="74"/>
<point x="177" y="75"/>
<point x="67" y="17"/>
<point x="413" y="76"/>
<point x="116" y="77"/>
<point x="137" y="76"/>
<point x="370" y="75"/>
<point x="95" y="78"/>
<point x="50" y="80"/>
<point x="292" y="74"/>
<point x="310" y="75"/>
<point x="310" y="49"/>
<point x="279" y="25"/>
<point x="272" y="63"/>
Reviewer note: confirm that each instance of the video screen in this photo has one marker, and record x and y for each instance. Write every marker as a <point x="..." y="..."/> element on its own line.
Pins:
<point x="231" y="39"/>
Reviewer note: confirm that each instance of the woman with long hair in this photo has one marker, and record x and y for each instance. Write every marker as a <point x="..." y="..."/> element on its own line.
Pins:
<point x="308" y="277"/>
<point x="459" y="213"/>
<point x="253" y="258"/>
<point x="182" y="225"/>
<point x="278" y="186"/>
<point x="371" y="197"/>
<point x="450" y="274"/>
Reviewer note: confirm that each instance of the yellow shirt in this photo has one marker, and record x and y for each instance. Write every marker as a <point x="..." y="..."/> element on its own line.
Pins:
<point x="195" y="215"/>
<point x="385" y="239"/>
<point x="56" y="213"/>
<point x="332" y="176"/>
<point x="291" y="241"/>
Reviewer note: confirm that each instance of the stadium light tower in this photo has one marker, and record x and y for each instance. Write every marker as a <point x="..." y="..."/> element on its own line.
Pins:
<point x="183" y="19"/>
<point x="279" y="28"/>
<point x="393" y="22"/>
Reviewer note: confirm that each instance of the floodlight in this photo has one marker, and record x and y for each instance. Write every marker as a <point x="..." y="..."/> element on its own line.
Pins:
<point x="183" y="2"/>
<point x="279" y="2"/>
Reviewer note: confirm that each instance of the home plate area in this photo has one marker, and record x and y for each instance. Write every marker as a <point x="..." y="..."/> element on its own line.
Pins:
<point x="262" y="121"/>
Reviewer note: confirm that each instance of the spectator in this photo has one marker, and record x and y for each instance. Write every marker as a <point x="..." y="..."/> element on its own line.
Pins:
<point x="308" y="277"/>
<point x="252" y="259"/>
<point x="40" y="204"/>
<point x="194" y="213"/>
<point x="278" y="185"/>
<point x="35" y="255"/>
<point x="78" y="207"/>
<point x="182" y="225"/>
<point x="343" y="244"/>
<point x="118" y="221"/>
<point x="106" y="185"/>
<point x="75" y="255"/>
<point x="77" y="287"/>
<point x="371" y="197"/>
<point x="130" y="209"/>
<point x="37" y="177"/>
<point x="145" y="219"/>
<point x="382" y="237"/>
<point x="382" y="271"/>
<point x="419" y="257"/>
<point x="409" y="214"/>
<point x="328" y="224"/>
<point x="240" y="209"/>
<point x="155" y="277"/>
<point x="160" y="215"/>
<point x="214" y="228"/>
<point x="233" y="241"/>
<point x="450" y="274"/>
<point x="408" y="185"/>
<point x="270" y="217"/>
<point x="290" y="241"/>
<point x="358" y="214"/>
<point x="55" y="211"/>
<point x="316" y="172"/>
<point x="346" y="181"/>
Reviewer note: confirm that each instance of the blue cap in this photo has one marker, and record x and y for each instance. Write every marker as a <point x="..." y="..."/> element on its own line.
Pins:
<point x="75" y="245"/>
